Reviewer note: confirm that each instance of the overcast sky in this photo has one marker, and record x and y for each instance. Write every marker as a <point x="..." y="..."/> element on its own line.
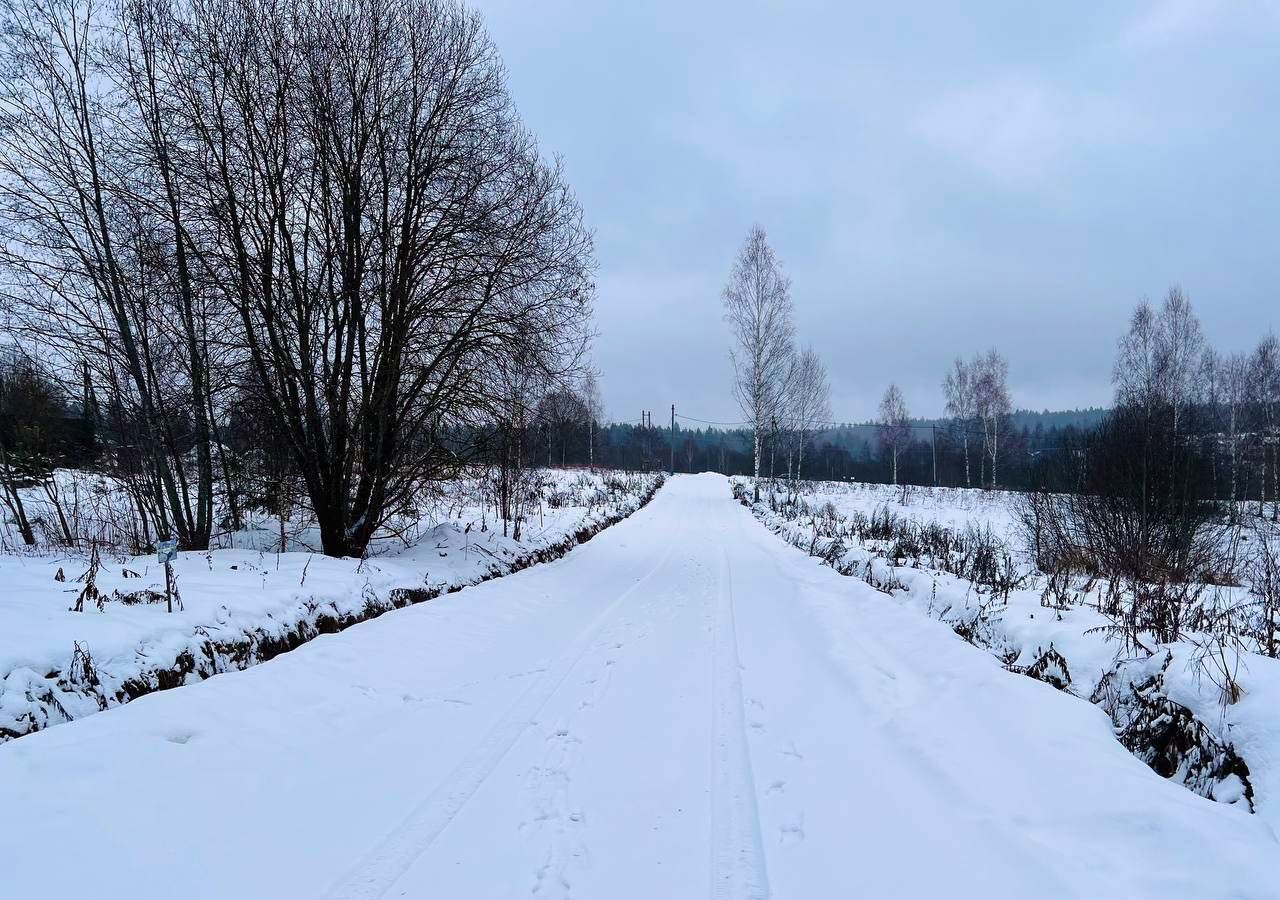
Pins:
<point x="934" y="180"/>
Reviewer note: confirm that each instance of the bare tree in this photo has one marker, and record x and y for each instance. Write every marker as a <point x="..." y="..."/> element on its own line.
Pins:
<point x="94" y="245"/>
<point x="1212" y="384"/>
<point x="520" y="385"/>
<point x="1181" y="346"/>
<point x="1265" y="372"/>
<point x="1137" y="373"/>
<point x="895" y="424"/>
<point x="992" y="403"/>
<point x="1158" y="362"/>
<point x="958" y="388"/>
<point x="1237" y="391"/>
<point x="385" y="229"/>
<point x="808" y="401"/>
<point x="560" y="414"/>
<point x="757" y="302"/>
<point x="593" y="402"/>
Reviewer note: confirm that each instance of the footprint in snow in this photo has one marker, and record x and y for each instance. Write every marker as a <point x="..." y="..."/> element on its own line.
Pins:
<point x="792" y="832"/>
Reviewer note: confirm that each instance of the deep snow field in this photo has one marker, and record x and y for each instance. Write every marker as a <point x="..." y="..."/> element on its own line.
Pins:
<point x="249" y="600"/>
<point x="1020" y="629"/>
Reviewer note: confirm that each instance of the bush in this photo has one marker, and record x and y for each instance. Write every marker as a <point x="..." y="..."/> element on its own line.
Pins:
<point x="1134" y="517"/>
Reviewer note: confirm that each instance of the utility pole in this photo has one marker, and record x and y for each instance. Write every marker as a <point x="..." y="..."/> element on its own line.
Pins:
<point x="644" y="440"/>
<point x="934" y="442"/>
<point x="673" y="438"/>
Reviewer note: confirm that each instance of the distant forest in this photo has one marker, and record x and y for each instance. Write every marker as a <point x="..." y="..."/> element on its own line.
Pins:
<point x="843" y="452"/>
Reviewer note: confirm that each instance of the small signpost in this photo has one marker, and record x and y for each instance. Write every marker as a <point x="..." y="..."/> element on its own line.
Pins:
<point x="166" y="552"/>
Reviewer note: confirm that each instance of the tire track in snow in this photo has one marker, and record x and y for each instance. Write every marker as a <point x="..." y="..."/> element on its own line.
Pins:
<point x="382" y="866"/>
<point x="737" y="852"/>
<point x="551" y="780"/>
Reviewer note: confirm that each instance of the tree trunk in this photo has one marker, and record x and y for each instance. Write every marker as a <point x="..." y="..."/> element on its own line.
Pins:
<point x="756" y="456"/>
<point x="51" y="491"/>
<point x="14" y="500"/>
<point x="233" y="505"/>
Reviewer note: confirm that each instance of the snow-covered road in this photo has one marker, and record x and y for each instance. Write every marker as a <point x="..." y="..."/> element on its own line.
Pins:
<point x="683" y="707"/>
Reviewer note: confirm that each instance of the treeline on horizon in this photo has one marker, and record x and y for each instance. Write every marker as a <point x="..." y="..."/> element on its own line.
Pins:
<point x="844" y="452"/>
<point x="44" y="425"/>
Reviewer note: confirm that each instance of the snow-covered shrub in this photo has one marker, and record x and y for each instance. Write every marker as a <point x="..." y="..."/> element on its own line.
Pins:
<point x="1168" y="737"/>
<point x="1070" y="627"/>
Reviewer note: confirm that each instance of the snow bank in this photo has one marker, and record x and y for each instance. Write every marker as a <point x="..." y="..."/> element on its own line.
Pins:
<point x="240" y="607"/>
<point x="1165" y="706"/>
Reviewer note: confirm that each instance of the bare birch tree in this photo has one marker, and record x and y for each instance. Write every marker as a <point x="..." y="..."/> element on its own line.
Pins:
<point x="992" y="402"/>
<point x="593" y="402"/>
<point x="1211" y="385"/>
<point x="1158" y="362"/>
<point x="1180" y="347"/>
<point x="1265" y="371"/>
<point x="809" y="401"/>
<point x="1136" y="374"/>
<point x="757" y="303"/>
<point x="1237" y="392"/>
<point x="895" y="425"/>
<point x="958" y="387"/>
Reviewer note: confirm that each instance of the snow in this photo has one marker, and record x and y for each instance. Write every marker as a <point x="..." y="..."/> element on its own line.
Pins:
<point x="234" y="595"/>
<point x="950" y="507"/>
<point x="1024" y="628"/>
<point x="685" y="706"/>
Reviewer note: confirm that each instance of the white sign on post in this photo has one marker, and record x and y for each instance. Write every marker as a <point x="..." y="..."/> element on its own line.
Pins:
<point x="166" y="551"/>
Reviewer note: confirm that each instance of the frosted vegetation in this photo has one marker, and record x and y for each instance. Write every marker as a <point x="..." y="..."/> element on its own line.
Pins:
<point x="1187" y="671"/>
<point x="87" y="622"/>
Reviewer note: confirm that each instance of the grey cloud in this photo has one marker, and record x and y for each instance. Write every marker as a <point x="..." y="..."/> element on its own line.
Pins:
<point x="935" y="179"/>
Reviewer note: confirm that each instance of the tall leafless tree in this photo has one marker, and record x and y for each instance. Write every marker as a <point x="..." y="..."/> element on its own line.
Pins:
<point x="1265" y="369"/>
<point x="593" y="402"/>
<point x="336" y="195"/>
<point x="757" y="303"/>
<point x="808" y="401"/>
<point x="895" y="425"/>
<point x="94" y="248"/>
<point x="992" y="402"/>
<point x="958" y="389"/>
<point x="1158" y="359"/>
<point x="1136" y="373"/>
<point x="1181" y="347"/>
<point x="1237" y="392"/>
<point x="520" y="386"/>
<point x="385" y="227"/>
